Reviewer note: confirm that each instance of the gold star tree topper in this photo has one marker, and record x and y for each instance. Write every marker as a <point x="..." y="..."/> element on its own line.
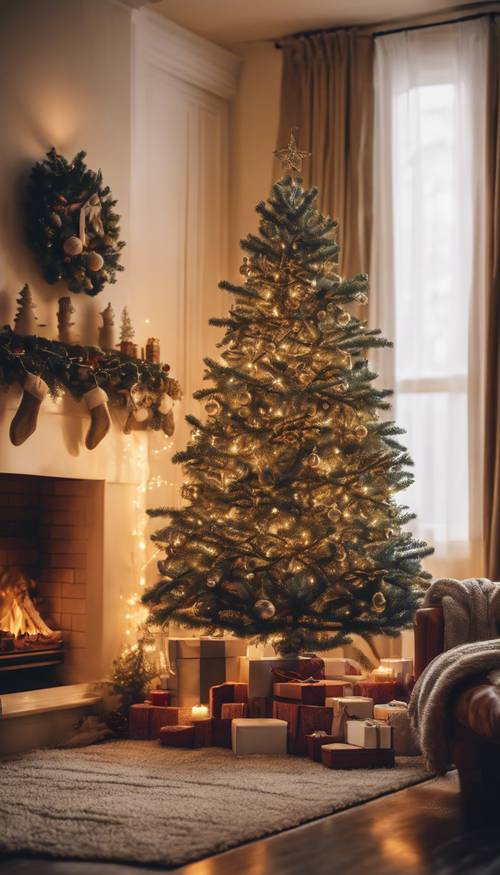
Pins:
<point x="291" y="157"/>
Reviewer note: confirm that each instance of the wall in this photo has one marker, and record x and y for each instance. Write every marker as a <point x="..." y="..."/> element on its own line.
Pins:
<point x="254" y="126"/>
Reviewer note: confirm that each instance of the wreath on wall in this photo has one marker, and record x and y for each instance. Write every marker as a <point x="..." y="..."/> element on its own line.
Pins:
<point x="72" y="227"/>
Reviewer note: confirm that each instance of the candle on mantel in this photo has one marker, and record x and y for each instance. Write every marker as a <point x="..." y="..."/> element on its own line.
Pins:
<point x="382" y="673"/>
<point x="199" y="712"/>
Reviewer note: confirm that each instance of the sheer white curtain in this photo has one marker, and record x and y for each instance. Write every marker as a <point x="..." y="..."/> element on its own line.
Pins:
<point x="428" y="272"/>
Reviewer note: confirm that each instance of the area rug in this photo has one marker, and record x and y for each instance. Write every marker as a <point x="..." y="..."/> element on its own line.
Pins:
<point x="136" y="802"/>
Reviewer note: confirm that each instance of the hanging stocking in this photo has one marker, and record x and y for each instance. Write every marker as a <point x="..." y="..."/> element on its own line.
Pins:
<point x="97" y="403"/>
<point x="24" y="423"/>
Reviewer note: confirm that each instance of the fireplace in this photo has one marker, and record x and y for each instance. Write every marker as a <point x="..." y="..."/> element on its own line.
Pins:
<point x="51" y="530"/>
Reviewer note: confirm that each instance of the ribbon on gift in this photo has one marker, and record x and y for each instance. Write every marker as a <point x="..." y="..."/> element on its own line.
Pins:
<point x="340" y="716"/>
<point x="378" y="725"/>
<point x="314" y="666"/>
<point x="90" y="212"/>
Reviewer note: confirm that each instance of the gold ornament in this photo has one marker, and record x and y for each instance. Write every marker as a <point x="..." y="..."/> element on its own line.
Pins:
<point x="244" y="397"/>
<point x="378" y="602"/>
<point x="334" y="514"/>
<point x="321" y="315"/>
<point x="264" y="609"/>
<point x="73" y="246"/>
<point x="212" y="407"/>
<point x="291" y="157"/>
<point x="313" y="460"/>
<point x="360" y="432"/>
<point x="94" y="261"/>
<point x="343" y="319"/>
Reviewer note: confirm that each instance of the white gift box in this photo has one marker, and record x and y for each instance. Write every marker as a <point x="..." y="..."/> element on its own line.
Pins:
<point x="196" y="664"/>
<point x="402" y="668"/>
<point x="396" y="715"/>
<point x="257" y="673"/>
<point x="340" y="667"/>
<point x="259" y="735"/>
<point x="368" y="733"/>
<point x="354" y="706"/>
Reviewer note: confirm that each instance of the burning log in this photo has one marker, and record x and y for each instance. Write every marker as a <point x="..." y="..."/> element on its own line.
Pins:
<point x="21" y="626"/>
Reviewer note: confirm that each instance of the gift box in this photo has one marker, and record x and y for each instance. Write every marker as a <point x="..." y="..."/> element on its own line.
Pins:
<point x="368" y="733"/>
<point x="402" y="668"/>
<point x="197" y="664"/>
<point x="311" y="693"/>
<point x="260" y="707"/>
<point x="340" y="667"/>
<point x="347" y="756"/>
<point x="226" y="693"/>
<point x="396" y="715"/>
<point x="302" y="720"/>
<point x="159" y="697"/>
<point x="221" y="732"/>
<point x="315" y="742"/>
<point x="258" y="673"/>
<point x="380" y="691"/>
<point x="177" y="736"/>
<point x="175" y="716"/>
<point x="231" y="710"/>
<point x="158" y="717"/>
<point x="348" y="707"/>
<point x="259" y="735"/>
<point x="138" y="720"/>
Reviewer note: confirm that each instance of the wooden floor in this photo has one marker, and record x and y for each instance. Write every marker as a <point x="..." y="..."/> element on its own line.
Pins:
<point x="413" y="832"/>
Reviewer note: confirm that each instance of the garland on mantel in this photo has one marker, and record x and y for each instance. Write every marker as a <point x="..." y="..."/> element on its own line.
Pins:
<point x="40" y="365"/>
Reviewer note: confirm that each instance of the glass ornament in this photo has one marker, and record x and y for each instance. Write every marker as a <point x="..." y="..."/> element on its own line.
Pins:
<point x="313" y="460"/>
<point x="334" y="514"/>
<point x="213" y="579"/>
<point x="264" y="609"/>
<point x="212" y="407"/>
<point x="343" y="319"/>
<point x="378" y="602"/>
<point x="244" y="397"/>
<point x="322" y="315"/>
<point x="360" y="432"/>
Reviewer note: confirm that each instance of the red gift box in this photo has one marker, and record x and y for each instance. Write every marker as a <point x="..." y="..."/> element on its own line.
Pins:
<point x="310" y="693"/>
<point x="302" y="721"/>
<point x="177" y="736"/>
<point x="230" y="710"/>
<point x="260" y="707"/>
<point x="175" y="716"/>
<point x="222" y="694"/>
<point x="221" y="732"/>
<point x="381" y="692"/>
<point x="158" y="717"/>
<point x="316" y="742"/>
<point x="139" y="720"/>
<point x="347" y="756"/>
<point x="159" y="697"/>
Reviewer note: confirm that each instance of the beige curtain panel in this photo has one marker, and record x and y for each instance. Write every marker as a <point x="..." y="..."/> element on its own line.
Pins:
<point x="327" y="94"/>
<point x="492" y="434"/>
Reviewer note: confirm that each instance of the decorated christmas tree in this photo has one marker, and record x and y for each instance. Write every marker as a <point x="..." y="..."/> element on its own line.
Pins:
<point x="291" y="532"/>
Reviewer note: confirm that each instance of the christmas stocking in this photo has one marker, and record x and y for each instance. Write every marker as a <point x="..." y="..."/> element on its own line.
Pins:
<point x="97" y="403"/>
<point x="24" y="423"/>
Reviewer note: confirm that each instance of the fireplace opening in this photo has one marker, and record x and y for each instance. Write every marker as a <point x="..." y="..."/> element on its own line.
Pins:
<point x="50" y="580"/>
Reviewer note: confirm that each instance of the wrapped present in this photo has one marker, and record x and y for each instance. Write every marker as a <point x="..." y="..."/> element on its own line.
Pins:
<point x="226" y="693"/>
<point x="368" y="733"/>
<point x="402" y="668"/>
<point x="177" y="736"/>
<point x="380" y="691"/>
<point x="259" y="735"/>
<point x="159" y="697"/>
<point x="347" y="707"/>
<point x="302" y="720"/>
<point x="260" y="707"/>
<point x="197" y="664"/>
<point x="175" y="716"/>
<point x="158" y="717"/>
<point x="315" y="742"/>
<point x="347" y="756"/>
<point x="231" y="710"/>
<point x="261" y="674"/>
<point x="221" y="732"/>
<point x="396" y="715"/>
<point x="138" y="720"/>
<point x="340" y="667"/>
<point x="311" y="693"/>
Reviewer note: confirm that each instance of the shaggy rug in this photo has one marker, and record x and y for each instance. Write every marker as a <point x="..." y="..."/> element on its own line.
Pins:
<point x="137" y="802"/>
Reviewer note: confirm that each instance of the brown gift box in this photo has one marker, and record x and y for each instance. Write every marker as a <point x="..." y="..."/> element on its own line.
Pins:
<point x="315" y="742"/>
<point x="309" y="693"/>
<point x="260" y="707"/>
<point x="196" y="664"/>
<point x="221" y="732"/>
<point x="231" y="710"/>
<point x="347" y="756"/>
<point x="158" y="717"/>
<point x="138" y="720"/>
<point x="177" y="736"/>
<point x="176" y="716"/>
<point x="380" y="691"/>
<point x="222" y="694"/>
<point x="302" y="721"/>
<point x="159" y="697"/>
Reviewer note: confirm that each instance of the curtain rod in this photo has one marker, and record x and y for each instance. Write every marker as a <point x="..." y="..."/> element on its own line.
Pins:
<point x="279" y="43"/>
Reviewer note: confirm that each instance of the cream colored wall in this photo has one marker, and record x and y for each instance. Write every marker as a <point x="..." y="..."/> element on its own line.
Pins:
<point x="65" y="74"/>
<point x="253" y="127"/>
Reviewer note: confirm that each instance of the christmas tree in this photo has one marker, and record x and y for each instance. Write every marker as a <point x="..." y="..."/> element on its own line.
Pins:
<point x="291" y="532"/>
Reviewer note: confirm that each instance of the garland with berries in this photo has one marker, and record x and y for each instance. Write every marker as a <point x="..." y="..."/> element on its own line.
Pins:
<point x="72" y="227"/>
<point x="144" y="389"/>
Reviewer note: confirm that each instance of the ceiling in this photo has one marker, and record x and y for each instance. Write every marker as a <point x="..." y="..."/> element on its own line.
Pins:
<point x="230" y="22"/>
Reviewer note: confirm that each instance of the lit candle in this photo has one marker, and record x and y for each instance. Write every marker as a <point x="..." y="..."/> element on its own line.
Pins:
<point x="199" y="712"/>
<point x="382" y="673"/>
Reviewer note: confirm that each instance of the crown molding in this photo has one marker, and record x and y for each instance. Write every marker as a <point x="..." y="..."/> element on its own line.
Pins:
<point x="136" y="4"/>
<point x="185" y="55"/>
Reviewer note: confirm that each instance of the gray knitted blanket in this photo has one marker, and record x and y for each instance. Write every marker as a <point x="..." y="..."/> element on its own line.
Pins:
<point x="431" y="703"/>
<point x="471" y="609"/>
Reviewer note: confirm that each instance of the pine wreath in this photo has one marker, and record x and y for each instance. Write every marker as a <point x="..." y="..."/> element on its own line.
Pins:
<point x="71" y="224"/>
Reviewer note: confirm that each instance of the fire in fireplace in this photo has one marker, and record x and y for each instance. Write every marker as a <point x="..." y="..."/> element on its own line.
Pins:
<point x="21" y="625"/>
